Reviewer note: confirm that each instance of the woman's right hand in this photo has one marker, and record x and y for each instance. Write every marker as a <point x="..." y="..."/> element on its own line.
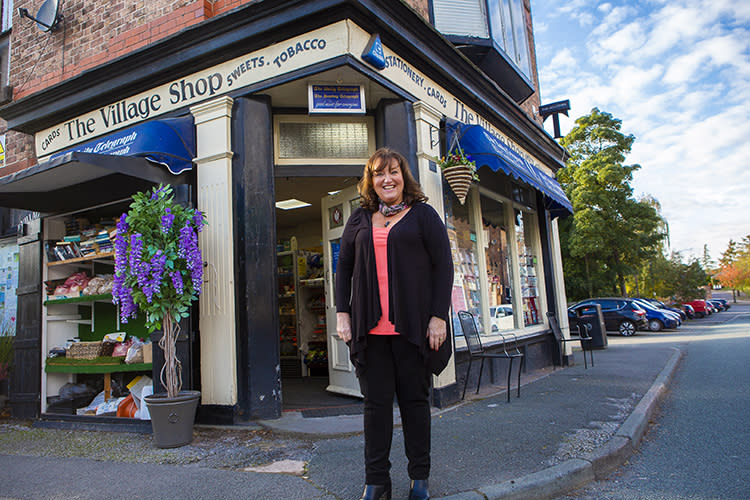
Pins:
<point x="344" y="326"/>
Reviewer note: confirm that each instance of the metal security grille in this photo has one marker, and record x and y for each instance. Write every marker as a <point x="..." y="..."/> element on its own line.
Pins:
<point x="323" y="140"/>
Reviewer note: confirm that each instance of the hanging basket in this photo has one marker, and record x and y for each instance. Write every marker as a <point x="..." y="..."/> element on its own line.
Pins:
<point x="459" y="178"/>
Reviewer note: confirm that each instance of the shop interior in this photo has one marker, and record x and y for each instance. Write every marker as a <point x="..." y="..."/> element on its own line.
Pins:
<point x="302" y="303"/>
<point x="89" y="366"/>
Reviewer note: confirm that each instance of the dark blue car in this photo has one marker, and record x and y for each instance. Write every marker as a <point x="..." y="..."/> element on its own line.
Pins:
<point x="662" y="305"/>
<point x="658" y="319"/>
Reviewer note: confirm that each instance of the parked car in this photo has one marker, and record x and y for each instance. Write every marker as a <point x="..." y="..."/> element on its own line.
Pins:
<point x="662" y="305"/>
<point x="658" y="319"/>
<point x="712" y="307"/>
<point x="725" y="302"/>
<point x="621" y="315"/>
<point x="689" y="311"/>
<point x="701" y="308"/>
<point x="717" y="304"/>
<point x="501" y="317"/>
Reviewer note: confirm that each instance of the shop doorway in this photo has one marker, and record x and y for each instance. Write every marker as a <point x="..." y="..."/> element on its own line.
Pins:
<point x="310" y="216"/>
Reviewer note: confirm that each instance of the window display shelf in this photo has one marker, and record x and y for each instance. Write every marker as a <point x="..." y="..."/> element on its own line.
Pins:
<point x="107" y="297"/>
<point x="88" y="258"/>
<point x="98" y="366"/>
<point x="312" y="283"/>
<point x="63" y="317"/>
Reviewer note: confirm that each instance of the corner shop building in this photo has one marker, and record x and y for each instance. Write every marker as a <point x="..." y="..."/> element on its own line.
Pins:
<point x="246" y="82"/>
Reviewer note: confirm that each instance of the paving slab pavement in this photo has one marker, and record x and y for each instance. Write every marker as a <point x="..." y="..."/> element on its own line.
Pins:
<point x="569" y="426"/>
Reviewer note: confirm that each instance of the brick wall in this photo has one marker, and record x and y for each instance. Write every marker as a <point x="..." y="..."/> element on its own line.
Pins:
<point x="421" y="6"/>
<point x="91" y="34"/>
<point x="531" y="105"/>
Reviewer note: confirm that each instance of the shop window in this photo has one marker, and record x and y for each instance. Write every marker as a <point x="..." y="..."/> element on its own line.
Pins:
<point x="528" y="267"/>
<point x="305" y="140"/>
<point x="500" y="24"/>
<point x="466" y="278"/>
<point x="497" y="260"/>
<point x="6" y="12"/>
<point x="461" y="17"/>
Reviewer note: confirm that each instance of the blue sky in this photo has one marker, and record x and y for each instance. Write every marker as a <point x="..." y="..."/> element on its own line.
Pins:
<point x="677" y="73"/>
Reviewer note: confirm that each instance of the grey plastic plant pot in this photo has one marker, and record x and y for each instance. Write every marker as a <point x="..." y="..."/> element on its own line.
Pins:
<point x="172" y="418"/>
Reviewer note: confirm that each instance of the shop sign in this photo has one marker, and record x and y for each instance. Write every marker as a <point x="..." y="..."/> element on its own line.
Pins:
<point x="373" y="52"/>
<point x="264" y="64"/>
<point x="406" y="76"/>
<point x="2" y="151"/>
<point x="169" y="142"/>
<point x="333" y="98"/>
<point x="340" y="38"/>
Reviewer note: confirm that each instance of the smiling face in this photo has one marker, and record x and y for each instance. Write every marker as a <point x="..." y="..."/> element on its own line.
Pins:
<point x="388" y="182"/>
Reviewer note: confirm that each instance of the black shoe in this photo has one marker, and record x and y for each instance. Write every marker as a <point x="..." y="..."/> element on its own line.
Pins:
<point x="377" y="492"/>
<point x="419" y="490"/>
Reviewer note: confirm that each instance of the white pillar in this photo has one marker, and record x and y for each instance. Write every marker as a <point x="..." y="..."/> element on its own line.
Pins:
<point x="217" y="306"/>
<point x="561" y="310"/>
<point x="428" y="147"/>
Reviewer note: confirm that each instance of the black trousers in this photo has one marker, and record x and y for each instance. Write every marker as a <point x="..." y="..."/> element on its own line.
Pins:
<point x="395" y="366"/>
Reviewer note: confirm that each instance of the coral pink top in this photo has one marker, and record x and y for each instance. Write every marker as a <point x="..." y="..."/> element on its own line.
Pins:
<point x="380" y="241"/>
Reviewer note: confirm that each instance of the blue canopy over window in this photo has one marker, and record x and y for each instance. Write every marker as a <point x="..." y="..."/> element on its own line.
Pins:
<point x="105" y="169"/>
<point x="487" y="150"/>
<point x="169" y="142"/>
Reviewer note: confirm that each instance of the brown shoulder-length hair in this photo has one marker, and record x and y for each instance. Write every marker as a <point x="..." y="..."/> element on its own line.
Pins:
<point x="369" y="199"/>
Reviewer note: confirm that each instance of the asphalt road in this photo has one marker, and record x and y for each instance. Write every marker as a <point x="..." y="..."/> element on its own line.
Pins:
<point x="699" y="445"/>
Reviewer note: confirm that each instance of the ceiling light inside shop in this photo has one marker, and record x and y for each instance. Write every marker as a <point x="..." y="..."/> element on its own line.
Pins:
<point x="334" y="192"/>
<point x="291" y="204"/>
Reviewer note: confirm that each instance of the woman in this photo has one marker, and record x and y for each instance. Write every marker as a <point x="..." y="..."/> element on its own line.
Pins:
<point x="393" y="293"/>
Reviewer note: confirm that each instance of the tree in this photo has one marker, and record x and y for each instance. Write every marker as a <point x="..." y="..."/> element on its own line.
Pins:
<point x="734" y="264"/>
<point x="670" y="278"/>
<point x="610" y="233"/>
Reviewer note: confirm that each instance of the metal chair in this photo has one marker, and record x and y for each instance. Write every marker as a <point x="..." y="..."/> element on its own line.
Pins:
<point x="584" y="338"/>
<point x="474" y="344"/>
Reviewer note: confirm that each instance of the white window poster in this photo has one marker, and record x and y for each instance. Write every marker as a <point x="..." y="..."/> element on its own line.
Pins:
<point x="8" y="283"/>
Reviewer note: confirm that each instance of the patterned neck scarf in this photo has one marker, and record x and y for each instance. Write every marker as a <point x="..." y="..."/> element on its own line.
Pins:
<point x="388" y="210"/>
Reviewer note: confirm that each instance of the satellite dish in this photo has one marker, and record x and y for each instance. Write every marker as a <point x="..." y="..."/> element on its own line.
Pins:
<point x="47" y="18"/>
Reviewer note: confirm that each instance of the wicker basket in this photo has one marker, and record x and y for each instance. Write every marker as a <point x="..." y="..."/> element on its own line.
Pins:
<point x="107" y="349"/>
<point x="84" y="350"/>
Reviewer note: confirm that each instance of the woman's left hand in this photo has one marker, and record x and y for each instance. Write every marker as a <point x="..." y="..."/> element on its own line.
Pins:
<point x="436" y="332"/>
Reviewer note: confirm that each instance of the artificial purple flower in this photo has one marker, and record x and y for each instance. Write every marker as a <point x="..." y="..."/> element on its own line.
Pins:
<point x="177" y="281"/>
<point x="136" y="248"/>
<point x="167" y="221"/>
<point x="121" y="246"/>
<point x="153" y="279"/>
<point x="198" y="220"/>
<point x="121" y="295"/>
<point x="188" y="250"/>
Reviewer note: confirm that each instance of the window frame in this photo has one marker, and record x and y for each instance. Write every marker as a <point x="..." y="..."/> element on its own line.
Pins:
<point x="473" y="199"/>
<point x="369" y="121"/>
<point x="497" y="14"/>
<point x="6" y="16"/>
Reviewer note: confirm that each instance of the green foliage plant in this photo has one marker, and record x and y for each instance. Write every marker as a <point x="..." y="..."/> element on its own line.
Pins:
<point x="456" y="158"/>
<point x="610" y="233"/>
<point x="159" y="269"/>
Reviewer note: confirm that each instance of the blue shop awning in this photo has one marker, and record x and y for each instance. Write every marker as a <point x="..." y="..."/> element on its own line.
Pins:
<point x="169" y="142"/>
<point x="487" y="150"/>
<point x="106" y="169"/>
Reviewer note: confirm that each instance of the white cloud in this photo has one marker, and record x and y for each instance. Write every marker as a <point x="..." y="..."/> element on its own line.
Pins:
<point x="618" y="44"/>
<point x="677" y="73"/>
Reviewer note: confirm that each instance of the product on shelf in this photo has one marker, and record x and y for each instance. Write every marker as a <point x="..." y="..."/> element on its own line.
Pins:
<point x="82" y="239"/>
<point x="73" y="286"/>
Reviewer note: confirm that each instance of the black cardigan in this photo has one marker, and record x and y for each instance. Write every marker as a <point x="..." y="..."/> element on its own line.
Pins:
<point x="420" y="280"/>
